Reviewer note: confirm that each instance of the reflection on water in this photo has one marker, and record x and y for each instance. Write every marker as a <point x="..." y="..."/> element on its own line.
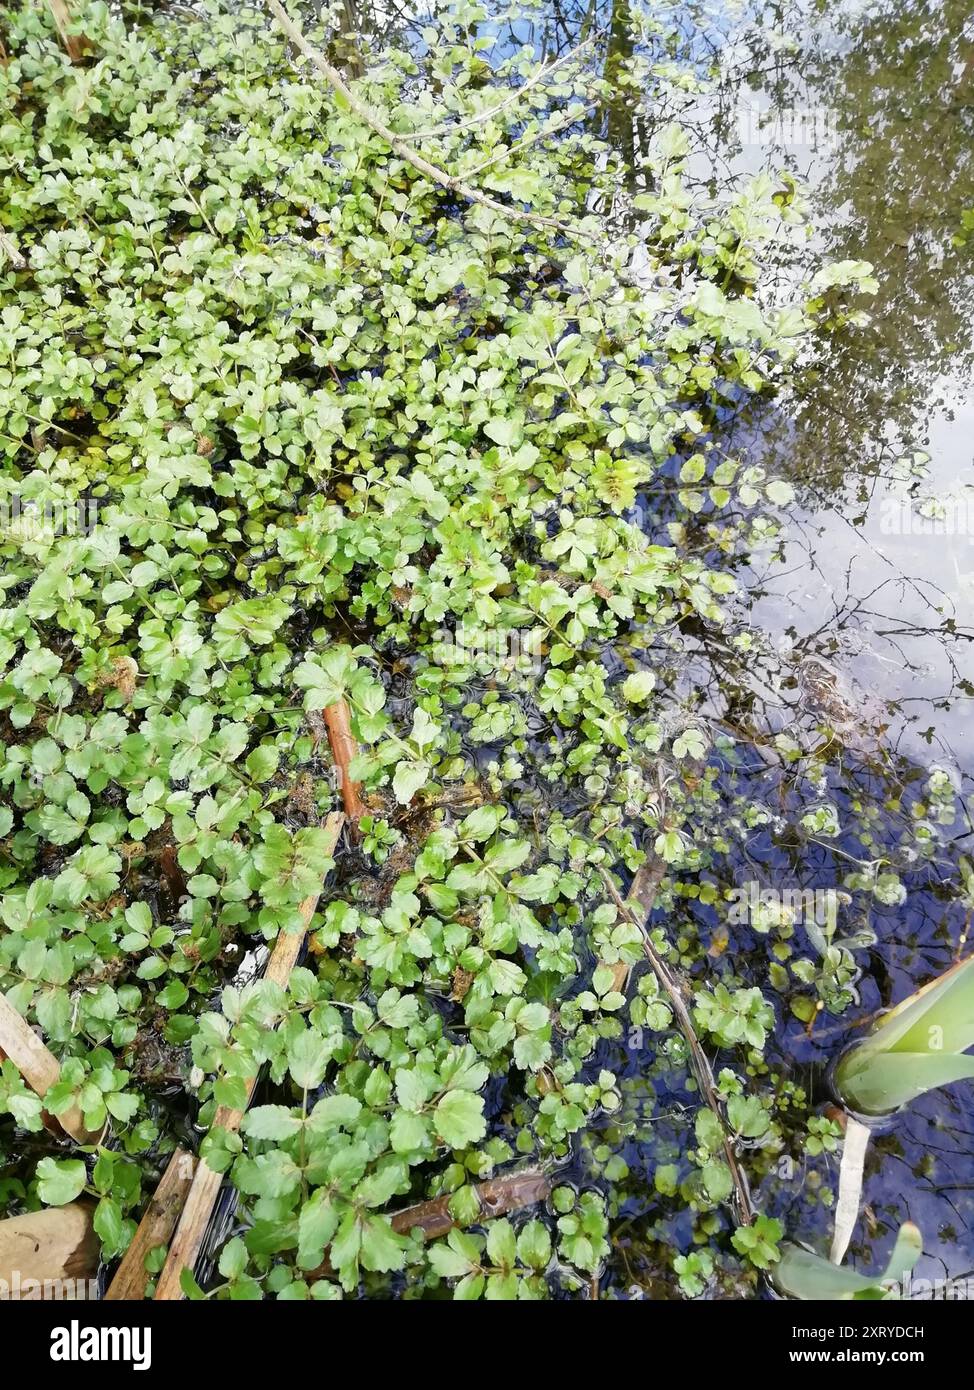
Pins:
<point x="878" y="573"/>
<point x="867" y="598"/>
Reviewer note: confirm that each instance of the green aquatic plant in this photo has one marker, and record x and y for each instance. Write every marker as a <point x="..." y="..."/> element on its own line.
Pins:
<point x="916" y="1047"/>
<point x="801" y="1274"/>
<point x="335" y="434"/>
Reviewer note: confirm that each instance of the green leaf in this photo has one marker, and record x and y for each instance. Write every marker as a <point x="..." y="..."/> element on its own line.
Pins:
<point x="382" y="1249"/>
<point x="459" y="1119"/>
<point x="534" y="1244"/>
<point x="60" y="1181"/>
<point x="317" y="1223"/>
<point x="109" y="1224"/>
<point x="409" y="778"/>
<point x="308" y="1056"/>
<point x="271" y="1122"/>
<point x="233" y="1259"/>
<point x="501" y="1245"/>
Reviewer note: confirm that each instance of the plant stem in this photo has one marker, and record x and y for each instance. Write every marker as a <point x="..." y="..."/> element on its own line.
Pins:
<point x="699" y="1060"/>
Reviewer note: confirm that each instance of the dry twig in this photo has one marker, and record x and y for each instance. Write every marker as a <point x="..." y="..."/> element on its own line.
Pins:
<point x="398" y="144"/>
<point x="188" y="1240"/>
<point x="497" y="1196"/>
<point x="344" y="749"/>
<point x="39" y="1067"/>
<point x="699" y="1060"/>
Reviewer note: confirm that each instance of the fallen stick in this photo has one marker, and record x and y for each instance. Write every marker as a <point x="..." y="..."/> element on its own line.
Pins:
<point x="58" y="1243"/>
<point x="497" y="1196"/>
<point x="343" y="749"/>
<point x="699" y="1060"/>
<point x="188" y="1240"/>
<point x="641" y="895"/>
<point x="156" y="1227"/>
<point x="398" y="144"/>
<point x="39" y="1068"/>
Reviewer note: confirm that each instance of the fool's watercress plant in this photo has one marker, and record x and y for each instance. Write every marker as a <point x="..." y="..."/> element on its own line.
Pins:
<point x="338" y="437"/>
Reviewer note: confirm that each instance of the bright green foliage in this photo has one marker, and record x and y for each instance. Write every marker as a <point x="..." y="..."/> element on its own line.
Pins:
<point x="758" y="1243"/>
<point x="339" y="436"/>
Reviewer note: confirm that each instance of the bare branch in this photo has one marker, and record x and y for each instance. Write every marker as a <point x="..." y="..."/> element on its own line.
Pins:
<point x="544" y="71"/>
<point x="700" y="1061"/>
<point x="399" y="146"/>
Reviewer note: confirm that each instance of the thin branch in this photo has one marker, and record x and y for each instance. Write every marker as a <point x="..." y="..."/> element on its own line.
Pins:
<point x="528" y="141"/>
<point x="544" y="71"/>
<point x="700" y="1062"/>
<point x="641" y="895"/>
<point x="509" y="1192"/>
<point x="399" y="146"/>
<point x="344" y="750"/>
<point x="205" y="1188"/>
<point x="497" y="1196"/>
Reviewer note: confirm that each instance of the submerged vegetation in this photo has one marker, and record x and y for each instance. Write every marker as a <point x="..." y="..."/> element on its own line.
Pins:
<point x="292" y="425"/>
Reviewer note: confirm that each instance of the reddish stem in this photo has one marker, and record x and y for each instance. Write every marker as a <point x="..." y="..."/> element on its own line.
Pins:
<point x="343" y="749"/>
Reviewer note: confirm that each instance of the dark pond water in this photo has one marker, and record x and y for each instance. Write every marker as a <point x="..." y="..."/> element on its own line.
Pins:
<point x="865" y="607"/>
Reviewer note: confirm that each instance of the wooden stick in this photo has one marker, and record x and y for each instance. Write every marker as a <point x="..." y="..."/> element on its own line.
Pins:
<point x="641" y="895"/>
<point x="39" y="1068"/>
<point x="156" y="1227"/>
<point x="699" y="1059"/>
<point x="188" y="1240"/>
<point x="343" y="749"/>
<point x="61" y="15"/>
<point x="57" y="1243"/>
<point x="398" y="144"/>
<point x="509" y="1192"/>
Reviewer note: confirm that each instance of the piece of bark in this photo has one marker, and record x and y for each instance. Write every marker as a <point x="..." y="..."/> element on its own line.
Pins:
<point x="343" y="749"/>
<point x="156" y="1227"/>
<point x="56" y="1243"/>
<point x="497" y="1196"/>
<point x="39" y="1068"/>
<point x="191" y="1230"/>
